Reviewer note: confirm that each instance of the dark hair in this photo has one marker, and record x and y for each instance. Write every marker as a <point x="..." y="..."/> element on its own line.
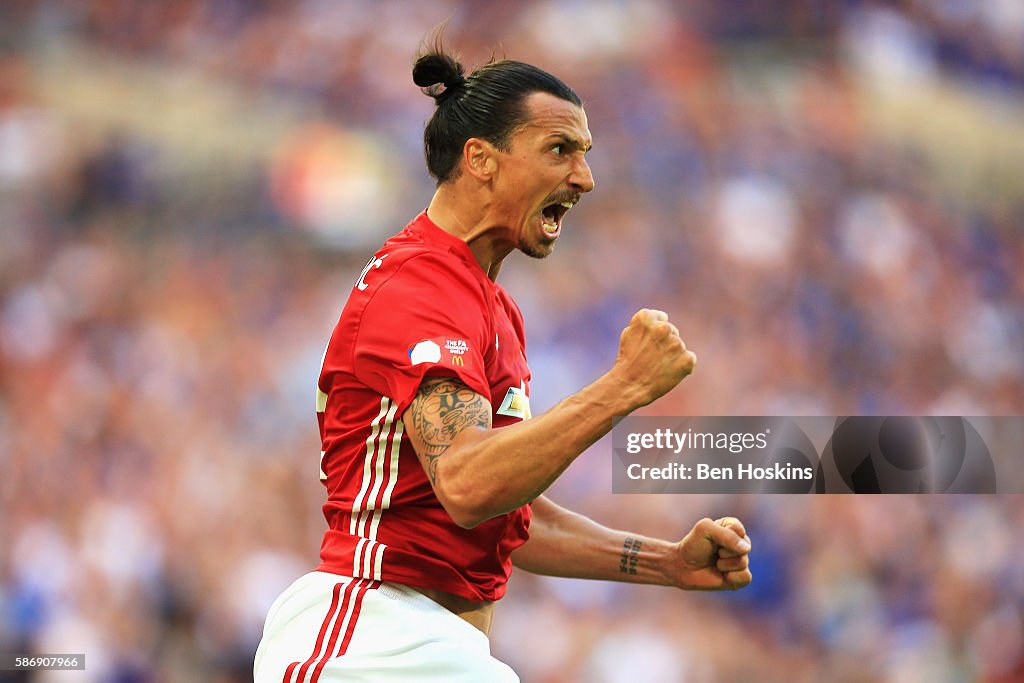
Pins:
<point x="489" y="104"/>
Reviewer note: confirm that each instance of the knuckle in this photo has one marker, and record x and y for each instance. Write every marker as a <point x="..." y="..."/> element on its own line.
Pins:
<point x="739" y="579"/>
<point x="734" y="524"/>
<point x="730" y="564"/>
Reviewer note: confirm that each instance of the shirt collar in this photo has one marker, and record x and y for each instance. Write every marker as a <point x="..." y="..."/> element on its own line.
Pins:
<point x="431" y="233"/>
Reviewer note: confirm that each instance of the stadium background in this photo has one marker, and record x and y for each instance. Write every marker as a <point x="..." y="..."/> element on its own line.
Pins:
<point x="825" y="196"/>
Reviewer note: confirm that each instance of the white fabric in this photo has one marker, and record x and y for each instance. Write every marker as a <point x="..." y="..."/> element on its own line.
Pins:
<point x="397" y="634"/>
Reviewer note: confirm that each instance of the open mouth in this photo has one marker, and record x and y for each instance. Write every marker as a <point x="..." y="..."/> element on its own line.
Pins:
<point x="551" y="217"/>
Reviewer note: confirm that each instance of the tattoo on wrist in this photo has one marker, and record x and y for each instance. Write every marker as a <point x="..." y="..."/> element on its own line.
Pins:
<point x="630" y="555"/>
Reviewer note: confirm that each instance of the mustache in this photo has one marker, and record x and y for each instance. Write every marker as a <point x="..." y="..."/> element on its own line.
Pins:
<point x="558" y="198"/>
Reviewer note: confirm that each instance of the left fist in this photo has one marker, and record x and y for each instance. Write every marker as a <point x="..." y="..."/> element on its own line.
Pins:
<point x="715" y="556"/>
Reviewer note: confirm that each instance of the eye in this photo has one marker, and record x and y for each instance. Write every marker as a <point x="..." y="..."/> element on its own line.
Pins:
<point x="557" y="149"/>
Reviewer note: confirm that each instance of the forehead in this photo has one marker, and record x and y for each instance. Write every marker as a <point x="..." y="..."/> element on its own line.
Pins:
<point x="551" y="115"/>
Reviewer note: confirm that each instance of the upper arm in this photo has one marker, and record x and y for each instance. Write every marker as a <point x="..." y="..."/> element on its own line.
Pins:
<point x="397" y="346"/>
<point x="442" y="409"/>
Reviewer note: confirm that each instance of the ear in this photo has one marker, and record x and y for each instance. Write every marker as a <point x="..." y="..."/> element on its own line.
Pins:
<point x="480" y="159"/>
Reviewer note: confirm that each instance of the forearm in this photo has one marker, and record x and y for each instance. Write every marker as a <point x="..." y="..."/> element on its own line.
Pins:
<point x="487" y="472"/>
<point x="478" y="473"/>
<point x="567" y="544"/>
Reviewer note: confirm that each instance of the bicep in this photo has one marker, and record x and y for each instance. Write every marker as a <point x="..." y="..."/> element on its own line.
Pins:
<point x="443" y="408"/>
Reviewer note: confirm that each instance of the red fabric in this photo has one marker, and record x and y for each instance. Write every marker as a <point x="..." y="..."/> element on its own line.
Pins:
<point x="423" y="305"/>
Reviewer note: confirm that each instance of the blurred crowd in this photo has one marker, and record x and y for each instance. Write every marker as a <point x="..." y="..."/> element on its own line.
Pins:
<point x="825" y="196"/>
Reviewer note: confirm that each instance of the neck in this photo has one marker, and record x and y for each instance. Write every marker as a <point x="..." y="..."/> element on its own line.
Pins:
<point x="466" y="215"/>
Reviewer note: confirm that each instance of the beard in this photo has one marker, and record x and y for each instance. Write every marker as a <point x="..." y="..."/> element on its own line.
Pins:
<point x="537" y="251"/>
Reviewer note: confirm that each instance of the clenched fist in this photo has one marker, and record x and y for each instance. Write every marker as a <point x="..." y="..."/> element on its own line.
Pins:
<point x="713" y="556"/>
<point x="652" y="357"/>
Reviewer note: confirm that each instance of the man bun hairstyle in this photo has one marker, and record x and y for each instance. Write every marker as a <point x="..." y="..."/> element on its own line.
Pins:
<point x="489" y="104"/>
<point x="438" y="74"/>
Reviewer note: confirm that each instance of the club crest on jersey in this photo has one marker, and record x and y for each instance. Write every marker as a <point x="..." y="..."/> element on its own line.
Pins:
<point x="516" y="403"/>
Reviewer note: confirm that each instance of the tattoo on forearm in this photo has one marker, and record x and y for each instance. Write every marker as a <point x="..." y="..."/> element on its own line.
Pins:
<point x="630" y="556"/>
<point x="443" y="408"/>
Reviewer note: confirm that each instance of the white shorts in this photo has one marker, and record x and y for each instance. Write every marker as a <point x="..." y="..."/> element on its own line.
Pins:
<point x="326" y="627"/>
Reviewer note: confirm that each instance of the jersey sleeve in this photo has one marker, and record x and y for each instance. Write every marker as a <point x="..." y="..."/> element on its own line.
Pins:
<point x="429" y="317"/>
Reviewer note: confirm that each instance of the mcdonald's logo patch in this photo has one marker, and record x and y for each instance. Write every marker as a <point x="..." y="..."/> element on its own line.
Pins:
<point x="434" y="351"/>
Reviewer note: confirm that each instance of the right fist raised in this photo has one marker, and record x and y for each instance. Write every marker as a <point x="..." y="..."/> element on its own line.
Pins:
<point x="652" y="357"/>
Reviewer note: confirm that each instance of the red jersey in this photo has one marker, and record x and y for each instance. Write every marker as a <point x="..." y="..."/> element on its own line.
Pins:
<point x="422" y="305"/>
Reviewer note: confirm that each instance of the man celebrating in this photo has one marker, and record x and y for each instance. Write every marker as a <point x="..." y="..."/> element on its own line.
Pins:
<point x="435" y="474"/>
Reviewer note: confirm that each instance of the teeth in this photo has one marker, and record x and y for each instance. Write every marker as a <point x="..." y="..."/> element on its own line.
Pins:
<point x="551" y="226"/>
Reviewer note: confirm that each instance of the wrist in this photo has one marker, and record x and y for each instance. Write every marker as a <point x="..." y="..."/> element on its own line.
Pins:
<point x="648" y="560"/>
<point x="665" y="563"/>
<point x="623" y="395"/>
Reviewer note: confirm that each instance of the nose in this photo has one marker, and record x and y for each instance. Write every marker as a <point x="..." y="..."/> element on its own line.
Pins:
<point x="581" y="179"/>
